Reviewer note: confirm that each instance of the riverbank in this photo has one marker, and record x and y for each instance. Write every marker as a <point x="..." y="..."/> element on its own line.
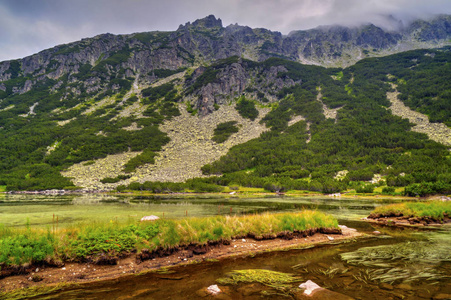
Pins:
<point x="79" y="273"/>
<point x="417" y="214"/>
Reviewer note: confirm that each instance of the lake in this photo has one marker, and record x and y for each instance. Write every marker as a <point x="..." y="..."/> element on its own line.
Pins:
<point x="397" y="264"/>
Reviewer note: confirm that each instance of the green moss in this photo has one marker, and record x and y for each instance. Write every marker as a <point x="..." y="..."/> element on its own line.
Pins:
<point x="273" y="279"/>
<point x="34" y="292"/>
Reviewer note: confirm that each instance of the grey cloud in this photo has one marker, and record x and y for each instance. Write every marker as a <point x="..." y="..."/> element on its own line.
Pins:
<point x="28" y="26"/>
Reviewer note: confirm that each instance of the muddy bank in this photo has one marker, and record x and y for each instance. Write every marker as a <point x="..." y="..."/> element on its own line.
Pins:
<point x="394" y="219"/>
<point x="76" y="273"/>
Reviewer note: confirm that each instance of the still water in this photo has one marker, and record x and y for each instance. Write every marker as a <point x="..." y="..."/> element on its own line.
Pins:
<point x="398" y="264"/>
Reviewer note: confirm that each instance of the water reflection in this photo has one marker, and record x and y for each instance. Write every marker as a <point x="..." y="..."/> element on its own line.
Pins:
<point x="412" y="254"/>
<point x="399" y="264"/>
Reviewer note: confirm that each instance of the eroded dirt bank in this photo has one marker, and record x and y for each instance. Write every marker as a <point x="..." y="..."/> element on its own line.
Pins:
<point x="408" y="221"/>
<point x="85" y="272"/>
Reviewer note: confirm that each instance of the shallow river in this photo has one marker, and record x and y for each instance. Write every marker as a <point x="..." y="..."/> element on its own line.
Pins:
<point x="397" y="264"/>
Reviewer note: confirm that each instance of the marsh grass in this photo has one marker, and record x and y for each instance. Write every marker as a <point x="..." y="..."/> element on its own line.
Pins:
<point x="19" y="246"/>
<point x="432" y="209"/>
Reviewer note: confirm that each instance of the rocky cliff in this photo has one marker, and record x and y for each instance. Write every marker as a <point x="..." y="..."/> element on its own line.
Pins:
<point x="110" y="56"/>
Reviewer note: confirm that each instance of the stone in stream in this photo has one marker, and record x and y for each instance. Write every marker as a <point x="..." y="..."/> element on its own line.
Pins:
<point x="213" y="289"/>
<point x="215" y="292"/>
<point x="315" y="292"/>
<point x="309" y="287"/>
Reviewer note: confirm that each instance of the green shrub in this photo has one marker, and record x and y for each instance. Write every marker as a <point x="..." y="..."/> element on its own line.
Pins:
<point x="115" y="179"/>
<point x="155" y="93"/>
<point x="246" y="108"/>
<point x="224" y="130"/>
<point x="27" y="247"/>
<point x="388" y="190"/>
<point x="367" y="188"/>
<point x="147" y="157"/>
<point x="427" y="188"/>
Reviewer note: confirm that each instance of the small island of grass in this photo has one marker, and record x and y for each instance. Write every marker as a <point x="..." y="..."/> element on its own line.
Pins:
<point x="413" y="213"/>
<point x="21" y="250"/>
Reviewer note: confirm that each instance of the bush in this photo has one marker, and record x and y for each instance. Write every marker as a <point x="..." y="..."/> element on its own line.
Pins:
<point x="427" y="188"/>
<point x="115" y="179"/>
<point x="246" y="108"/>
<point x="147" y="157"/>
<point x="388" y="190"/>
<point x="223" y="131"/>
<point x="26" y="248"/>
<point x="274" y="187"/>
<point x="368" y="188"/>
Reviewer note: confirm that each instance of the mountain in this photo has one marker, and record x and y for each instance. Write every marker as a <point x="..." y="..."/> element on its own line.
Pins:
<point x="233" y="101"/>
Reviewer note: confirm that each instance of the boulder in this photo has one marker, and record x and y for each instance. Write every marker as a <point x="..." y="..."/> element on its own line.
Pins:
<point x="149" y="218"/>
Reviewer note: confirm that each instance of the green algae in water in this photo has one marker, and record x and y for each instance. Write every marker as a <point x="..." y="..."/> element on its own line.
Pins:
<point x="38" y="292"/>
<point x="277" y="280"/>
<point x="408" y="261"/>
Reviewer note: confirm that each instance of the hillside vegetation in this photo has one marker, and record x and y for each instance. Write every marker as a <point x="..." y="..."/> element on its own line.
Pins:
<point x="128" y="111"/>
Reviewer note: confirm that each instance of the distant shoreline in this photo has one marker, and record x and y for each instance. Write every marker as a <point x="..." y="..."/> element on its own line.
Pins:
<point x="237" y="194"/>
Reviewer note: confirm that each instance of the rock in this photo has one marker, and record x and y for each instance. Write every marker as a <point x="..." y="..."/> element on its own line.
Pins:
<point x="309" y="287"/>
<point x="215" y="292"/>
<point x="213" y="289"/>
<point x="344" y="227"/>
<point x="386" y="286"/>
<point x="149" y="218"/>
<point x="404" y="286"/>
<point x="250" y="289"/>
<point x="314" y="291"/>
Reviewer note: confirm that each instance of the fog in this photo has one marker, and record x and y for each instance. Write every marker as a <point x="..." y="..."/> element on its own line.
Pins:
<point x="29" y="26"/>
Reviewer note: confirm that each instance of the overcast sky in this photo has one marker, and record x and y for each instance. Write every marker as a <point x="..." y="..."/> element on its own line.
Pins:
<point x="29" y="26"/>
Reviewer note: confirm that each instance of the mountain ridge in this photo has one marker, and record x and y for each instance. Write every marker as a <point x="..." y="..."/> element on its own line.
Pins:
<point x="78" y="104"/>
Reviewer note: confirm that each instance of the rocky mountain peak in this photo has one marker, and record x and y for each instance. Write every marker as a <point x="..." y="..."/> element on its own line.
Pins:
<point x="208" y="22"/>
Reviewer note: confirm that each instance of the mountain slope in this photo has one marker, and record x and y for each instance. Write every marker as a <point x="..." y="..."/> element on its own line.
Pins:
<point x="114" y="110"/>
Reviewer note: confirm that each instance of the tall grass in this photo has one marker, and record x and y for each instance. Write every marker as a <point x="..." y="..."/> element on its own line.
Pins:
<point x="18" y="246"/>
<point x="433" y="209"/>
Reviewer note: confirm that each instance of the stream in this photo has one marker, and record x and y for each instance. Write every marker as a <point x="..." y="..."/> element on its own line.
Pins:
<point x="398" y="263"/>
